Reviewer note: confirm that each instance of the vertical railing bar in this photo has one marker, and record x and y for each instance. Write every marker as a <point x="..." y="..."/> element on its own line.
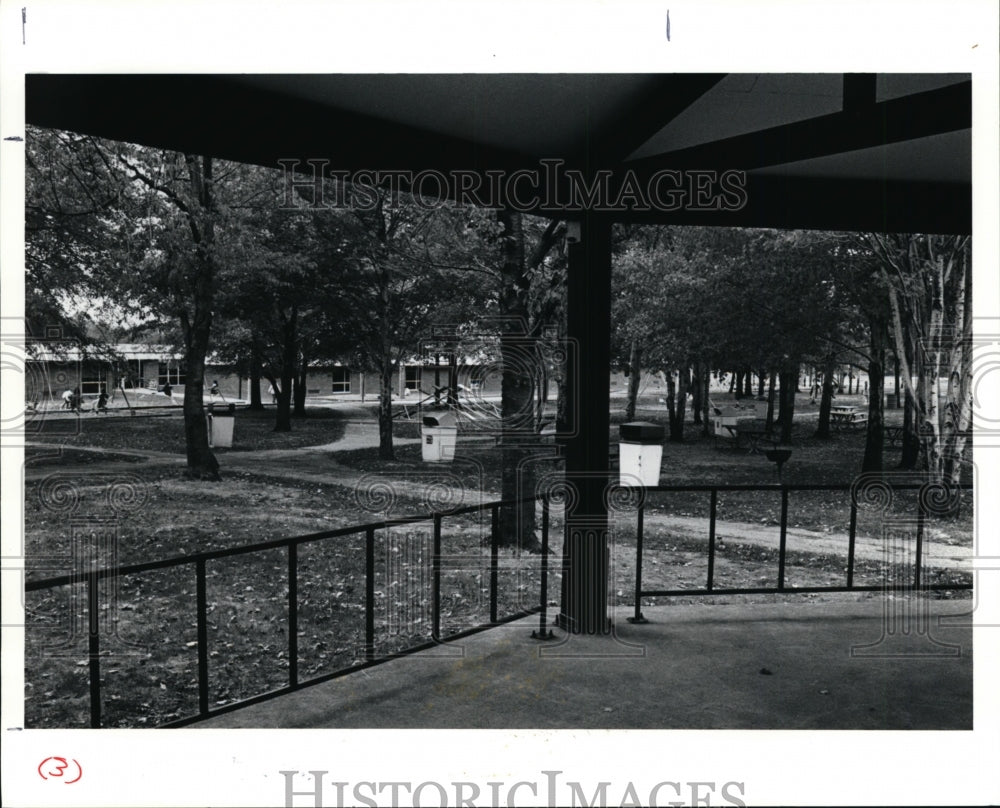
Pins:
<point x="94" y="649"/>
<point x="713" y="509"/>
<point x="543" y="611"/>
<point x="783" y="538"/>
<point x="293" y="614"/>
<point x="494" y="560"/>
<point x="640" y="529"/>
<point x="436" y="579"/>
<point x="370" y="594"/>
<point x="202" y="607"/>
<point x="851" y="540"/>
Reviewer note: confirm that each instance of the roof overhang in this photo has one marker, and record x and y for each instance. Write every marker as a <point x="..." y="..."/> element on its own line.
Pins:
<point x="825" y="151"/>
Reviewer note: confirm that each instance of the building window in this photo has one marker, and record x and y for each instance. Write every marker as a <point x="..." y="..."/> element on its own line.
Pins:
<point x="92" y="380"/>
<point x="412" y="377"/>
<point x="170" y="372"/>
<point x="341" y="380"/>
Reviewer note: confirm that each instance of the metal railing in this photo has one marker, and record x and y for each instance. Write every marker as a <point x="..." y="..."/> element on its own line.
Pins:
<point x="91" y="579"/>
<point x="710" y="587"/>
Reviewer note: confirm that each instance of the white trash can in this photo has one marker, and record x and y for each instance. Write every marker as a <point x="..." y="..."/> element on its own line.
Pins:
<point x="220" y="426"/>
<point x="439" y="436"/>
<point x="640" y="453"/>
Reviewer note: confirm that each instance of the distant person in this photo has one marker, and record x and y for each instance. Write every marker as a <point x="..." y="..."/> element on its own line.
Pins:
<point x="102" y="402"/>
<point x="272" y="394"/>
<point x="168" y="391"/>
<point x="76" y="400"/>
<point x="215" y="388"/>
<point x="67" y="399"/>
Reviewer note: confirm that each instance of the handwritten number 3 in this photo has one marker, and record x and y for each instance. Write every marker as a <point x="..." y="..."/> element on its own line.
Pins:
<point x="59" y="769"/>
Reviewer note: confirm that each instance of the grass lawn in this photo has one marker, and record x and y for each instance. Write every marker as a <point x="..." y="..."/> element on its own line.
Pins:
<point x="252" y="431"/>
<point x="124" y="512"/>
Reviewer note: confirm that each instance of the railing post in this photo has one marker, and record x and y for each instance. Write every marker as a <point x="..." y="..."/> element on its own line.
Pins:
<point x="293" y="614"/>
<point x="94" y="648"/>
<point x="712" y="511"/>
<point x="852" y="537"/>
<point x="202" y="607"/>
<point x="494" y="559"/>
<point x="370" y="594"/>
<point x="783" y="539"/>
<point x="544" y="633"/>
<point x="436" y="580"/>
<point x="639" y="529"/>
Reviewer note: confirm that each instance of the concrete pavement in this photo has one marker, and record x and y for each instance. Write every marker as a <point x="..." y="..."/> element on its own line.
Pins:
<point x="781" y="666"/>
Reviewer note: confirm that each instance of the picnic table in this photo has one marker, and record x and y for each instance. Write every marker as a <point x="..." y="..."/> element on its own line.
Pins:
<point x="752" y="438"/>
<point x="847" y="417"/>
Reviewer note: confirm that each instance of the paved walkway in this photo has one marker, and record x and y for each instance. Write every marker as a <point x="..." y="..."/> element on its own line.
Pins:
<point x="787" y="666"/>
<point x="360" y="434"/>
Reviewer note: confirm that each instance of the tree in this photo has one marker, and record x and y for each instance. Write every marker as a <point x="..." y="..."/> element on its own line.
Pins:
<point x="71" y="233"/>
<point x="521" y="324"/>
<point x="929" y="282"/>
<point x="401" y="268"/>
<point x="146" y="238"/>
<point x="182" y="266"/>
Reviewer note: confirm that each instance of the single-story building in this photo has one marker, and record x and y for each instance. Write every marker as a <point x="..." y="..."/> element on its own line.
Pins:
<point x="55" y="368"/>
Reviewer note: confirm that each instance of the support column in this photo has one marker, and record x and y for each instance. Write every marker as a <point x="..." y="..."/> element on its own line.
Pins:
<point x="585" y="578"/>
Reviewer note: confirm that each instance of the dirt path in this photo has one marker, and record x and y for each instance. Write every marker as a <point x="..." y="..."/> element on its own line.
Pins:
<point x="314" y="465"/>
<point x="937" y="552"/>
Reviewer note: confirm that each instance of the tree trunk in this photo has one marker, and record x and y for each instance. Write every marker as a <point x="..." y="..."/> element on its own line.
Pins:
<point x="634" y="360"/>
<point x="385" y="364"/>
<point x="201" y="462"/>
<point x="736" y="385"/>
<point x="957" y="415"/>
<point x="910" y="453"/>
<point x="748" y="384"/>
<point x="676" y="404"/>
<point x="283" y="413"/>
<point x="301" y="379"/>
<point x="519" y="361"/>
<point x="289" y="352"/>
<point x="385" y="449"/>
<point x="786" y="402"/>
<point x="697" y="390"/>
<point x="255" y="376"/>
<point x="453" y="380"/>
<point x="826" y="400"/>
<point x="771" y="380"/>
<point x="876" y="374"/>
<point x="706" y="417"/>
<point x="895" y="388"/>
<point x="671" y="397"/>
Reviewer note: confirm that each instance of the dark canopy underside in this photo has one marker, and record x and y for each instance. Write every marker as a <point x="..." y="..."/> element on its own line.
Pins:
<point x="887" y="152"/>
